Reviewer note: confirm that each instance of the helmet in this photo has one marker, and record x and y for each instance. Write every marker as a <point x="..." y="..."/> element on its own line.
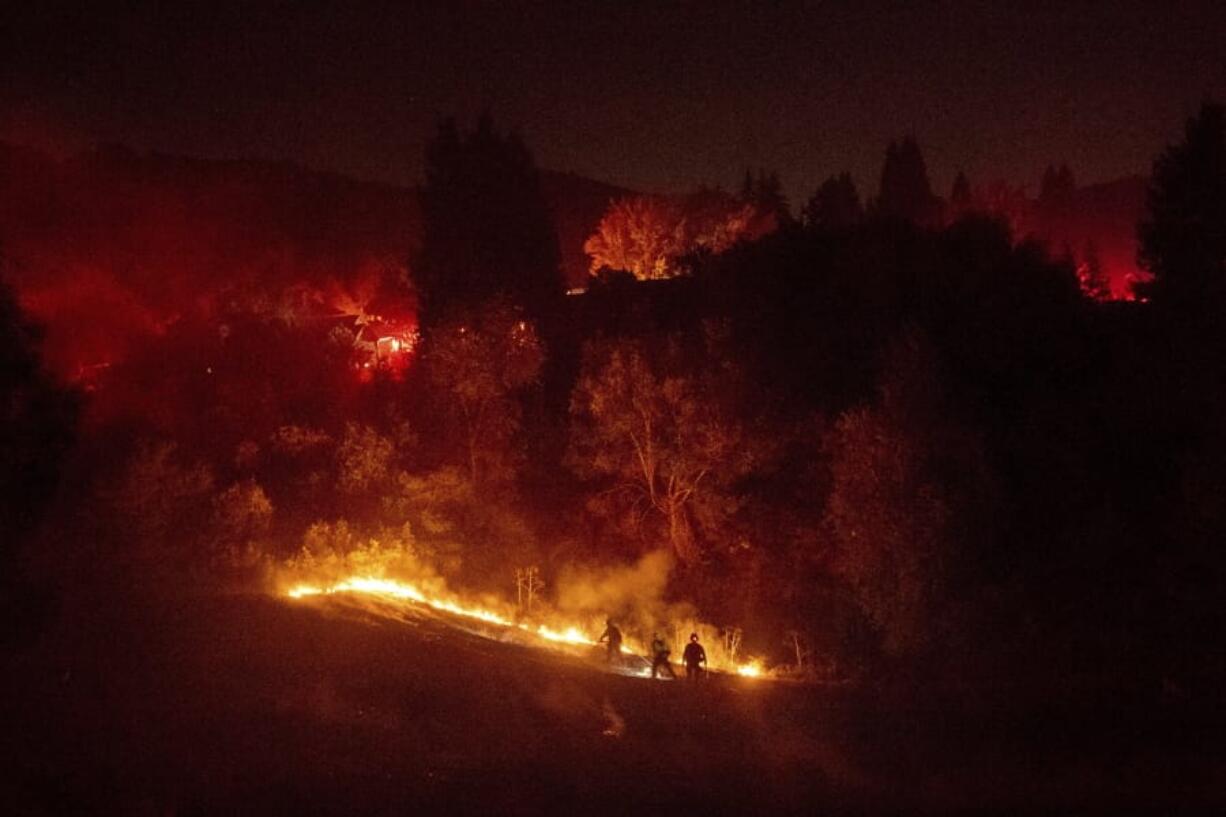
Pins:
<point x="693" y="636"/>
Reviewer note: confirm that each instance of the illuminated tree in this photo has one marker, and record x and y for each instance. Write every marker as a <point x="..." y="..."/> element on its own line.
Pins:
<point x="1183" y="234"/>
<point x="1091" y="275"/>
<point x="648" y="236"/>
<point x="242" y="515"/>
<point x="642" y="235"/>
<point x="716" y="221"/>
<point x="364" y="459"/>
<point x="480" y="365"/>
<point x="663" y="438"/>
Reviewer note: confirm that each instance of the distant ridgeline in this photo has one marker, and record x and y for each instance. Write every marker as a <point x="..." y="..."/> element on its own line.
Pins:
<point x="111" y="247"/>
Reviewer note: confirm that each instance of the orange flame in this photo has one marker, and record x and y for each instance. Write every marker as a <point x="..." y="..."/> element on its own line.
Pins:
<point x="412" y="593"/>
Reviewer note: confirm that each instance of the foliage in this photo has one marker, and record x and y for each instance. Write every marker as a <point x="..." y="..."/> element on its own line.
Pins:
<point x="1091" y="276"/>
<point x="905" y="478"/>
<point x="642" y="235"/>
<point x="835" y="205"/>
<point x="1183" y="234"/>
<point x="488" y="232"/>
<point x="665" y="438"/>
<point x="162" y="501"/>
<point x="649" y="236"/>
<point x="242" y="517"/>
<point x="37" y="424"/>
<point x="38" y="419"/>
<point x="479" y="366"/>
<point x="764" y="192"/>
<point x="905" y="191"/>
<point x="336" y="550"/>
<point x="364" y="459"/>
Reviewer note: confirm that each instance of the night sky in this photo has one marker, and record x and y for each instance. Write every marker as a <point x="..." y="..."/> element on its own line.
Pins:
<point x="652" y="95"/>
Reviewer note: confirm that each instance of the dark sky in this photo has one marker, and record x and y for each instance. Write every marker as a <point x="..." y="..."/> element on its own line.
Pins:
<point x="654" y="95"/>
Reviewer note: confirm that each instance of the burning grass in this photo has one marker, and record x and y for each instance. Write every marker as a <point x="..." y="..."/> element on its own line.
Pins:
<point x="545" y="627"/>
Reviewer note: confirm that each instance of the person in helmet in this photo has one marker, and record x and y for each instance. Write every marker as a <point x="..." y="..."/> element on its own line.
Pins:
<point x="695" y="658"/>
<point x="613" y="637"/>
<point x="659" y="657"/>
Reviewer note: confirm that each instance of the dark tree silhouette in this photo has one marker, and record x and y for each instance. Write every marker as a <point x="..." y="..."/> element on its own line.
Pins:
<point x="765" y="193"/>
<point x="1057" y="188"/>
<point x="905" y="191"/>
<point x="487" y="230"/>
<point x="37" y="425"/>
<point x="835" y="205"/>
<point x="1183" y="234"/>
<point x="37" y="417"/>
<point x="908" y="480"/>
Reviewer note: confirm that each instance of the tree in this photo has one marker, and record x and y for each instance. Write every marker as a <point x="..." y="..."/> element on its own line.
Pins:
<point x="37" y="425"/>
<point x="662" y="438"/>
<point x="835" y="205"/>
<point x="905" y="191"/>
<point x="765" y="193"/>
<point x="642" y="235"/>
<point x="1091" y="276"/>
<point x="1183" y="233"/>
<point x="364" y="459"/>
<point x="37" y="428"/>
<point x="905" y="479"/>
<point x="242" y="515"/>
<point x="1056" y="190"/>
<point x="487" y="230"/>
<point x="480" y="365"/>
<point x="162" y="503"/>
<point x="649" y="236"/>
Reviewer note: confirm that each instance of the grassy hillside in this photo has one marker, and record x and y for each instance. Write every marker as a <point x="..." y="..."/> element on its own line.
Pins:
<point x="249" y="705"/>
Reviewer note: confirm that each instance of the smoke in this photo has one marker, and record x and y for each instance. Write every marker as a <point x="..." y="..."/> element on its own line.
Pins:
<point x="633" y="596"/>
<point x="616" y="591"/>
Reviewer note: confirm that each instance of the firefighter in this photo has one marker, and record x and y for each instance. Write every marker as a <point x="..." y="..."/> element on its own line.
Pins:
<point x="659" y="657"/>
<point x="614" y="638"/>
<point x="695" y="658"/>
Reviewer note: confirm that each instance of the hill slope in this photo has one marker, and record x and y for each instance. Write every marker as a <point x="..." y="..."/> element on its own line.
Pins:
<point x="249" y="705"/>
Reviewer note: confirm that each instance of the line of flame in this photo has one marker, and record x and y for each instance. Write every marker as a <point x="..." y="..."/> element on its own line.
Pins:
<point x="409" y="592"/>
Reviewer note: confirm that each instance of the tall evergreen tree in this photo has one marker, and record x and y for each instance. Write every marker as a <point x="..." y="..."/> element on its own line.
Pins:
<point x="835" y="205"/>
<point x="488" y="231"/>
<point x="905" y="190"/>
<point x="765" y="193"/>
<point x="1183" y="234"/>
<point x="37" y="427"/>
<point x="1056" y="190"/>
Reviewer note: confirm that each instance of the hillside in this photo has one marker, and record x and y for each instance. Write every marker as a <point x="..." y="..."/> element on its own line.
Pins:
<point x="250" y="705"/>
